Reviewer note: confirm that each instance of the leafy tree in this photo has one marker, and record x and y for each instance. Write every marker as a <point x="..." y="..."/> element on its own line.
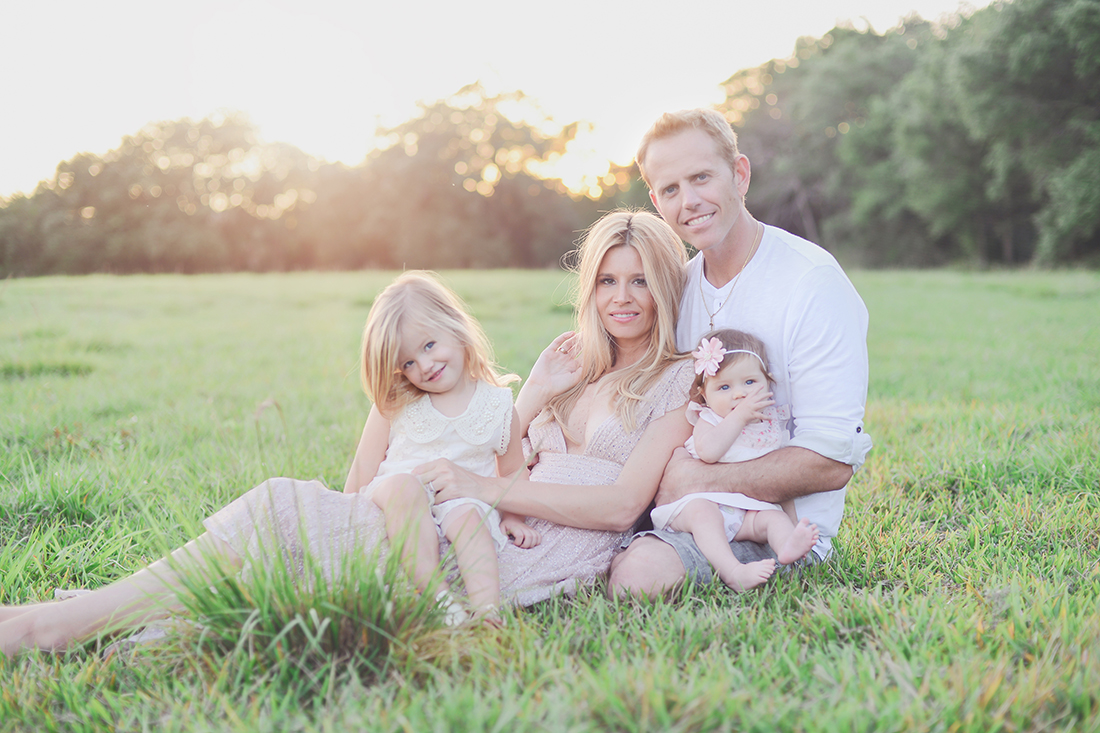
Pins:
<point x="795" y="117"/>
<point x="457" y="187"/>
<point x="1028" y="84"/>
<point x="176" y="196"/>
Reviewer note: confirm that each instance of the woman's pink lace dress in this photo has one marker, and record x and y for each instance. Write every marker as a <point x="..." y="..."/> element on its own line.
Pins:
<point x="281" y="517"/>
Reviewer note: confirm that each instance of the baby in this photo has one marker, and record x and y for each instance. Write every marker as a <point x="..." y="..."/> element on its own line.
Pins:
<point x="735" y="420"/>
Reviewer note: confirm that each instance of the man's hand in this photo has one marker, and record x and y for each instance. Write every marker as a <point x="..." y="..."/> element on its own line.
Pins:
<point x="679" y="479"/>
<point x="779" y="476"/>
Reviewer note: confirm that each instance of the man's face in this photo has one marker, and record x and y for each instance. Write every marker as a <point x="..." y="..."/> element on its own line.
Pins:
<point x="694" y="188"/>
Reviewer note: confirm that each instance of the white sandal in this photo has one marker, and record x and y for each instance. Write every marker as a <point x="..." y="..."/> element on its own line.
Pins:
<point x="453" y="612"/>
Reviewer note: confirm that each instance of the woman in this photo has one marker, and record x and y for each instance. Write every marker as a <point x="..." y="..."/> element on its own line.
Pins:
<point x="603" y="410"/>
<point x="604" y="428"/>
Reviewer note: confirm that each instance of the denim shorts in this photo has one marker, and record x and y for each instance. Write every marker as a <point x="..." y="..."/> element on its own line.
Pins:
<point x="697" y="567"/>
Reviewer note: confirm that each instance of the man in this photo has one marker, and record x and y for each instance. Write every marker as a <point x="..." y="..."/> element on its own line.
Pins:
<point x="782" y="289"/>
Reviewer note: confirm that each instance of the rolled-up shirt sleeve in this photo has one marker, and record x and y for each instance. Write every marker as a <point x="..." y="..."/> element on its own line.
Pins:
<point x="826" y="328"/>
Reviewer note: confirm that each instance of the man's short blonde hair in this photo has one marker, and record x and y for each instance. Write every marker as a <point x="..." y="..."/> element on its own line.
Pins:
<point x="709" y="121"/>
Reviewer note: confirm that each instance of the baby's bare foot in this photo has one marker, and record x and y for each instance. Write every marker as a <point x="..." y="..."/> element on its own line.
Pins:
<point x="801" y="541"/>
<point x="748" y="575"/>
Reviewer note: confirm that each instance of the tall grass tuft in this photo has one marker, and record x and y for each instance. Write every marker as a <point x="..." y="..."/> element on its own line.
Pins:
<point x="296" y="630"/>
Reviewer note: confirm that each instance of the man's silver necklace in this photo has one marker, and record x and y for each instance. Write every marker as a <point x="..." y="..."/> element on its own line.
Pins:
<point x="733" y="283"/>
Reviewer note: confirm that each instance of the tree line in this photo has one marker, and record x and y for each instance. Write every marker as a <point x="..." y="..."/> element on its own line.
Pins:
<point x="972" y="140"/>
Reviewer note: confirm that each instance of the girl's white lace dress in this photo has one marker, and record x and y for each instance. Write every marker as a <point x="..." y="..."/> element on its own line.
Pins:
<point x="472" y="440"/>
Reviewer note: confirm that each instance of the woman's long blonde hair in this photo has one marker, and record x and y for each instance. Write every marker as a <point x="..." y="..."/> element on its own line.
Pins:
<point x="663" y="258"/>
<point x="418" y="297"/>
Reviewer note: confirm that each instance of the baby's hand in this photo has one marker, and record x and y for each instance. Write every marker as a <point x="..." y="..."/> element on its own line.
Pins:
<point x="751" y="407"/>
<point x="522" y="535"/>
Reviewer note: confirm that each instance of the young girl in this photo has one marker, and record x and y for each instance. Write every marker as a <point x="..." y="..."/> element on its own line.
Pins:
<point x="428" y="369"/>
<point x="735" y="420"/>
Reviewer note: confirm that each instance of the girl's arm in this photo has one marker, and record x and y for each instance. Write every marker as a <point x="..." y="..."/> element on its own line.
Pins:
<point x="512" y="459"/>
<point x="512" y="464"/>
<point x="370" y="452"/>
<point x="523" y="536"/>
<point x="614" y="507"/>
<point x="555" y="371"/>
<point x="712" y="441"/>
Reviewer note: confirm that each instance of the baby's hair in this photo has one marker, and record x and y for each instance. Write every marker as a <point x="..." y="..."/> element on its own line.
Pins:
<point x="418" y="297"/>
<point x="731" y="339"/>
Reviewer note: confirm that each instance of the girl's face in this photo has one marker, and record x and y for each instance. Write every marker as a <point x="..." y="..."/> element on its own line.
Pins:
<point x="432" y="359"/>
<point x="626" y="307"/>
<point x="736" y="380"/>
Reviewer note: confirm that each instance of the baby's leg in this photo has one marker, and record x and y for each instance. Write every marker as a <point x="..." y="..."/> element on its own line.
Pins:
<point x="790" y="541"/>
<point x="409" y="525"/>
<point x="703" y="519"/>
<point x="477" y="557"/>
<point x="145" y="596"/>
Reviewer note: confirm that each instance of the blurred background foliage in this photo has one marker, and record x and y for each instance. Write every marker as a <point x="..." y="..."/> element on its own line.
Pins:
<point x="974" y="140"/>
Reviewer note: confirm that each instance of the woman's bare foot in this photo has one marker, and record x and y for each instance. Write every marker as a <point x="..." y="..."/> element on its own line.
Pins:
<point x="801" y="541"/>
<point x="748" y="575"/>
<point x="10" y="612"/>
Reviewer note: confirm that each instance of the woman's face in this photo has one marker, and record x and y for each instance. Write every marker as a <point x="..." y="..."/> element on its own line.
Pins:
<point x="623" y="300"/>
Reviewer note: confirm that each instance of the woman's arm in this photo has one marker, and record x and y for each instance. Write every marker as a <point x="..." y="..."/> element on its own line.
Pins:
<point x="555" y="371"/>
<point x="370" y="452"/>
<point x="614" y="507"/>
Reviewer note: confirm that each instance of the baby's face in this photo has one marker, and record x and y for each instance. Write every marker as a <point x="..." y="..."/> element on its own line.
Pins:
<point x="733" y="383"/>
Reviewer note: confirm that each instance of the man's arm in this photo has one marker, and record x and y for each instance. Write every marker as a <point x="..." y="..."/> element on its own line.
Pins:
<point x="779" y="476"/>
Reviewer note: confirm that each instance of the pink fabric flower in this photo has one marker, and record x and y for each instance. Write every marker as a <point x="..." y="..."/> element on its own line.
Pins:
<point x="708" y="356"/>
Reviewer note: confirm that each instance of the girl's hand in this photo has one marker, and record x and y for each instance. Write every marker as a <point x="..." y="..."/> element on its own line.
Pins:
<point x="558" y="367"/>
<point x="751" y="407"/>
<point x="450" y="481"/>
<point x="522" y="535"/>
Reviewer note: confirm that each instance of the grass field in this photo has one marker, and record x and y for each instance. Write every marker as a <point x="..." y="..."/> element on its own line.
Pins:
<point x="965" y="595"/>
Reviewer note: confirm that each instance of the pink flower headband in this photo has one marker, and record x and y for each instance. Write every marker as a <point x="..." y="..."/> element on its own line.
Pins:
<point x="709" y="355"/>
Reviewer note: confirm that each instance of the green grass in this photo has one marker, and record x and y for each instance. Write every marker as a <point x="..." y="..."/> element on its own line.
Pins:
<point x="965" y="595"/>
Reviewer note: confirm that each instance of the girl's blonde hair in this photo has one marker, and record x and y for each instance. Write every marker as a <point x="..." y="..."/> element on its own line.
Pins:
<point x="663" y="258"/>
<point x="731" y="339"/>
<point x="419" y="298"/>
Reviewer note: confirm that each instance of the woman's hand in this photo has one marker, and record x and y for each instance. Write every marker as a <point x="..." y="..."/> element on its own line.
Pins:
<point x="450" y="481"/>
<point x="558" y="367"/>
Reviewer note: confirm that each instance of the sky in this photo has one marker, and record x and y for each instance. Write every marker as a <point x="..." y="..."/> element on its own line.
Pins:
<point x="78" y="76"/>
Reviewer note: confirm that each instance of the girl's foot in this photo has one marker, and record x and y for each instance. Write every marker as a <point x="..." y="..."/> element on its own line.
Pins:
<point x="801" y="541"/>
<point x="453" y="612"/>
<point x="748" y="575"/>
<point x="489" y="616"/>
